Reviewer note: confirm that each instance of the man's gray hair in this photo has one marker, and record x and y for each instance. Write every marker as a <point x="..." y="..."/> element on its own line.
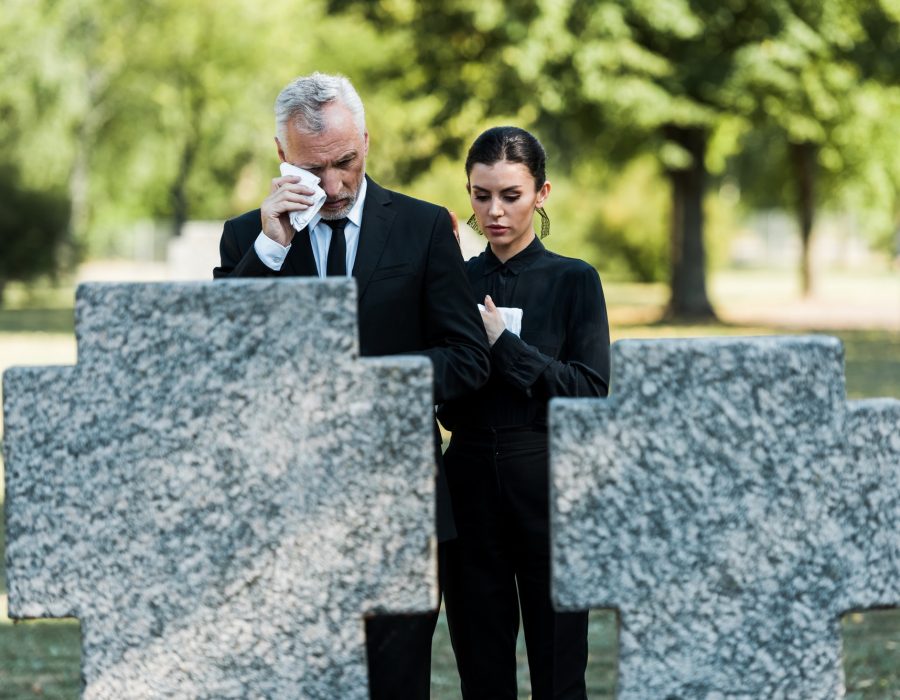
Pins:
<point x="301" y="103"/>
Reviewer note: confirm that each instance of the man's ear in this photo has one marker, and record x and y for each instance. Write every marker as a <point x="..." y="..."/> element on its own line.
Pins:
<point x="366" y="143"/>
<point x="280" y="150"/>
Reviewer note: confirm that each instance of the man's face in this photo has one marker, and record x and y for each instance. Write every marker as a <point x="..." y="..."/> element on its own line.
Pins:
<point x="337" y="156"/>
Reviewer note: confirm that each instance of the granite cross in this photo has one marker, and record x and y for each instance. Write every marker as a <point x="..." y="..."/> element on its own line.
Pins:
<point x="220" y="490"/>
<point x="731" y="504"/>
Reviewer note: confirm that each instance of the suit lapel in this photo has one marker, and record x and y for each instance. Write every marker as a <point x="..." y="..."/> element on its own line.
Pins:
<point x="300" y="261"/>
<point x="374" y="233"/>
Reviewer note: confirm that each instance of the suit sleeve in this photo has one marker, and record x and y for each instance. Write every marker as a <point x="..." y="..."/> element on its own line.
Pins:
<point x="455" y="338"/>
<point x="583" y="371"/>
<point x="238" y="256"/>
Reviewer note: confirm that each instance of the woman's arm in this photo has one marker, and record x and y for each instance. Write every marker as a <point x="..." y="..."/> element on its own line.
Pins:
<point x="583" y="367"/>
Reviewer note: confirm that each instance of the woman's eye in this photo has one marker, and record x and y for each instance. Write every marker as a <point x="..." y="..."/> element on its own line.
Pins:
<point x="481" y="198"/>
<point x="511" y="198"/>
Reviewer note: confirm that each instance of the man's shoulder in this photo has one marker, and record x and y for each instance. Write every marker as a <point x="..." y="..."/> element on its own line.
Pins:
<point x="249" y="219"/>
<point x="243" y="229"/>
<point x="415" y="206"/>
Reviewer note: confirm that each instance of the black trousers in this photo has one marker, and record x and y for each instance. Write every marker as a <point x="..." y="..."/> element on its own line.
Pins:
<point x="398" y="648"/>
<point x="499" y="563"/>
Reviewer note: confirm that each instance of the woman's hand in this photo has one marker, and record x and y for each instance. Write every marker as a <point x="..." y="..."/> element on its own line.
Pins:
<point x="493" y="321"/>
<point x="454" y="220"/>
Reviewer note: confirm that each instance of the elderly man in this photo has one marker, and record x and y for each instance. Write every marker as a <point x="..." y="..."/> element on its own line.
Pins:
<point x="414" y="296"/>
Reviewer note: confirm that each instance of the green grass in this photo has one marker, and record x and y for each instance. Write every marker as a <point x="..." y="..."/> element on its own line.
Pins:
<point x="41" y="659"/>
<point x="872" y="655"/>
<point x="37" y="321"/>
<point x="872" y="363"/>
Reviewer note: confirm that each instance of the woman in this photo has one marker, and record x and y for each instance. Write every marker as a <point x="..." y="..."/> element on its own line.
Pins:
<point x="497" y="461"/>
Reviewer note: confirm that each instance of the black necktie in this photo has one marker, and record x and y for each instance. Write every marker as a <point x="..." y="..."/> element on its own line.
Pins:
<point x="337" y="250"/>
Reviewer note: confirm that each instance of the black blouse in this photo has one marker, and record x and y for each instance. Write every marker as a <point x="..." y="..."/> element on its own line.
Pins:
<point x="563" y="349"/>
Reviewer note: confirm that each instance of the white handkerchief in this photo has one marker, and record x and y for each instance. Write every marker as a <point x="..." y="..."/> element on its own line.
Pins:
<point x="512" y="318"/>
<point x="300" y="219"/>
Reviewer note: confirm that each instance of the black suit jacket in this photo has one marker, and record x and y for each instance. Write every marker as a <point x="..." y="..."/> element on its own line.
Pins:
<point x="414" y="296"/>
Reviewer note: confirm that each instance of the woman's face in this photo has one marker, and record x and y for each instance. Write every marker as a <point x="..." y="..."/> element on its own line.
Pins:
<point x="504" y="199"/>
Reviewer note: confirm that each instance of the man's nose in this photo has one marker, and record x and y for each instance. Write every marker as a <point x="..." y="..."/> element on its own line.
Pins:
<point x="331" y="182"/>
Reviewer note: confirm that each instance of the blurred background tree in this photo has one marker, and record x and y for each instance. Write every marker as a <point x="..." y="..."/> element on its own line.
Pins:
<point x="33" y="234"/>
<point x="648" y="108"/>
<point x="817" y="121"/>
<point x="658" y="74"/>
<point x="693" y="83"/>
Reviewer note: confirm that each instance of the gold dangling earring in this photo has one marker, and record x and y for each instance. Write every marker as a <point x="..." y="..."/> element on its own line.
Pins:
<point x="545" y="222"/>
<point x="473" y="224"/>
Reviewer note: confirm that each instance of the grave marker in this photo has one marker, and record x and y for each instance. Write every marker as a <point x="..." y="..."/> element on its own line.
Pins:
<point x="731" y="504"/>
<point x="220" y="489"/>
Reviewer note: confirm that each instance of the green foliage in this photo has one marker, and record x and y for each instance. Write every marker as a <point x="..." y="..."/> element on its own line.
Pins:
<point x="32" y="230"/>
<point x="812" y="84"/>
<point x="147" y="109"/>
<point x="163" y="110"/>
<point x="617" y="221"/>
<point x="455" y="66"/>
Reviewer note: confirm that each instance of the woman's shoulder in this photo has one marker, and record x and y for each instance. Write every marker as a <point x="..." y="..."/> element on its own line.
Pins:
<point x="476" y="262"/>
<point x="576" y="267"/>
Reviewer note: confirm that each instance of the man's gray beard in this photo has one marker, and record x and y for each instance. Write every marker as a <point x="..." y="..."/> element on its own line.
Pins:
<point x="346" y="210"/>
<point x="340" y="214"/>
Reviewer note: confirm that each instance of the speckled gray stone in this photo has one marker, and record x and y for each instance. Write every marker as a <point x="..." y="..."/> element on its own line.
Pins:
<point x="732" y="505"/>
<point x="220" y="489"/>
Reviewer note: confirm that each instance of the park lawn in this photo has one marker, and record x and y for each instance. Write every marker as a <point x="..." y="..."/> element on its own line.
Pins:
<point x="41" y="659"/>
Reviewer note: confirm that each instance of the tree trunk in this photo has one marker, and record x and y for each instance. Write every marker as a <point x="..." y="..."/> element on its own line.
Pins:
<point x="85" y="138"/>
<point x="178" y="192"/>
<point x="804" y="157"/>
<point x="79" y="183"/>
<point x="688" y="299"/>
<point x="180" y="204"/>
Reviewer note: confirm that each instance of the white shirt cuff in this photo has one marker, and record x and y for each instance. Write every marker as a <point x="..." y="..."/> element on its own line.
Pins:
<point x="271" y="254"/>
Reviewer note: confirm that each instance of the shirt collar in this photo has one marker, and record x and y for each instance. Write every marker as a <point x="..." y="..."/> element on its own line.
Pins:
<point x="356" y="211"/>
<point x="517" y="262"/>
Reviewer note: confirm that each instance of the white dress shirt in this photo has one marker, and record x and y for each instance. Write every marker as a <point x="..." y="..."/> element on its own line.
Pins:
<point x="272" y="254"/>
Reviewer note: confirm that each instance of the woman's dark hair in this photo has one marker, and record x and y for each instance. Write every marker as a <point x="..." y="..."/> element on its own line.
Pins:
<point x="509" y="143"/>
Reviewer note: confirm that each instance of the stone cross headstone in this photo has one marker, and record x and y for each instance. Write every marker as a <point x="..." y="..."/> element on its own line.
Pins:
<point x="731" y="504"/>
<point x="220" y="490"/>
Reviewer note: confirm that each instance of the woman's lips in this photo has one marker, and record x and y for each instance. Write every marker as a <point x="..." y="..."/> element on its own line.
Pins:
<point x="498" y="229"/>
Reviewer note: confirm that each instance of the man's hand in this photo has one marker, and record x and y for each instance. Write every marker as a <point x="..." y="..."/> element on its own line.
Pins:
<point x="285" y="196"/>
<point x="493" y="321"/>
